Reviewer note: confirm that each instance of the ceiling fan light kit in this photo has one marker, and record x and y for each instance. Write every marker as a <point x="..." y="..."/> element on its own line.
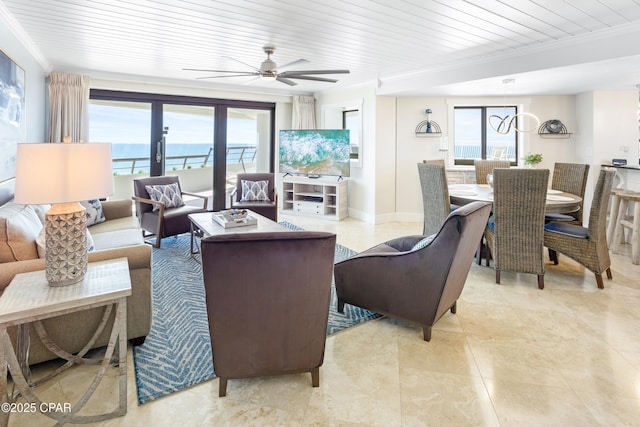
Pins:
<point x="269" y="71"/>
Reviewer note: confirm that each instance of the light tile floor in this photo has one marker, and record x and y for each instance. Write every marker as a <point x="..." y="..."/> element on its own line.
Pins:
<point x="513" y="355"/>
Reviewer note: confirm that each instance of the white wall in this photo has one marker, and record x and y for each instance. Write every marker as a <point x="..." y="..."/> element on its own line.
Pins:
<point x="386" y="161"/>
<point x="412" y="149"/>
<point x="609" y="130"/>
<point x="362" y="184"/>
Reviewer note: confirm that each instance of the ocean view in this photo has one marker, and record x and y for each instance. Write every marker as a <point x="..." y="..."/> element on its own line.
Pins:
<point x="176" y="154"/>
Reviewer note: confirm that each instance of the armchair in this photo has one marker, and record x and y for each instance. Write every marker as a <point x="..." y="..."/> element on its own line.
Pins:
<point x="267" y="297"/>
<point x="412" y="278"/>
<point x="163" y="217"/>
<point x="268" y="207"/>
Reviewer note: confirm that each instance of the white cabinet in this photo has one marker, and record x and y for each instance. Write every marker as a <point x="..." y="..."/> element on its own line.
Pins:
<point x="322" y="197"/>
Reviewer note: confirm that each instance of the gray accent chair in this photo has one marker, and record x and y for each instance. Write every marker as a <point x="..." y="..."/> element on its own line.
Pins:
<point x="267" y="297"/>
<point x="515" y="234"/>
<point x="586" y="245"/>
<point x="163" y="222"/>
<point x="435" y="195"/>
<point x="485" y="167"/>
<point x="268" y="208"/>
<point x="415" y="284"/>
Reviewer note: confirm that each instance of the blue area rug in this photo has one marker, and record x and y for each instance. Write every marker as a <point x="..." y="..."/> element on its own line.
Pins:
<point x="177" y="352"/>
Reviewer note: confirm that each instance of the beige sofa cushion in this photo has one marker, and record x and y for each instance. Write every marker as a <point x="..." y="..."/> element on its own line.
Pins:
<point x="128" y="223"/>
<point x="117" y="239"/>
<point x="19" y="227"/>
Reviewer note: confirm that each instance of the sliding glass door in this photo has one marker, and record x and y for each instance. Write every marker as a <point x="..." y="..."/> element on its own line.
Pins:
<point x="248" y="143"/>
<point x="206" y="142"/>
<point x="188" y="139"/>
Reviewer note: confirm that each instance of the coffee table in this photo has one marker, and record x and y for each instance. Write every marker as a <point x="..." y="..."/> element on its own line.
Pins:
<point x="203" y="225"/>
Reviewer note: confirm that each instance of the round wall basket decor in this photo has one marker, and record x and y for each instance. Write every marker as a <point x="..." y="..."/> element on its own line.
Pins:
<point x="553" y="129"/>
<point x="554" y="126"/>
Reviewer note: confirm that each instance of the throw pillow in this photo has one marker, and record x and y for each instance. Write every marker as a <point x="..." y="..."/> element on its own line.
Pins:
<point x="168" y="194"/>
<point x="41" y="211"/>
<point x="424" y="242"/>
<point x="42" y="245"/>
<point x="19" y="227"/>
<point x="254" y="191"/>
<point x="94" y="211"/>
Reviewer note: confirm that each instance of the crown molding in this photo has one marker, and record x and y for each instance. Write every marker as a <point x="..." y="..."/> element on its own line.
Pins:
<point x="22" y="36"/>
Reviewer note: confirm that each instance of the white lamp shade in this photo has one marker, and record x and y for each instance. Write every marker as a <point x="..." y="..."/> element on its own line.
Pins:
<point x="62" y="173"/>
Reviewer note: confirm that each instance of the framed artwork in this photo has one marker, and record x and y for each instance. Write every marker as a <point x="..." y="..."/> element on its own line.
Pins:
<point x="12" y="118"/>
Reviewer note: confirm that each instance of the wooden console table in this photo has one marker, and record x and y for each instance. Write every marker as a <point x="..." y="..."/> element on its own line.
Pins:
<point x="30" y="299"/>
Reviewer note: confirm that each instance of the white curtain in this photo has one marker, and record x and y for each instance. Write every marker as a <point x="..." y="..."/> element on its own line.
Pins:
<point x="68" y="107"/>
<point x="304" y="112"/>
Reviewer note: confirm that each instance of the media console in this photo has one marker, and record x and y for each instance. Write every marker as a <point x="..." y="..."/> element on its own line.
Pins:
<point x="322" y="197"/>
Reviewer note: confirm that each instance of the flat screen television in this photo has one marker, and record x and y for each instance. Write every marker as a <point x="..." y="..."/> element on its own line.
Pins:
<point x="315" y="152"/>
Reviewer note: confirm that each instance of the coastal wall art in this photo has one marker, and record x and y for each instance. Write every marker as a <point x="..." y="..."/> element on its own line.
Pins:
<point x="12" y="117"/>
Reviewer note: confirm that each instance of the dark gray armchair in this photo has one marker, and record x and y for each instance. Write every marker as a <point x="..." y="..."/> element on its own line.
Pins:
<point x="158" y="219"/>
<point x="267" y="297"/>
<point x="267" y="208"/>
<point x="401" y="280"/>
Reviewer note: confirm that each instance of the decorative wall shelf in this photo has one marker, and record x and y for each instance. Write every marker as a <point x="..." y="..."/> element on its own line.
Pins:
<point x="422" y="126"/>
<point x="553" y="129"/>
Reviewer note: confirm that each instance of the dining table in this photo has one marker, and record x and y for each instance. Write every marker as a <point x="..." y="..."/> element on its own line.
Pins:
<point x="557" y="201"/>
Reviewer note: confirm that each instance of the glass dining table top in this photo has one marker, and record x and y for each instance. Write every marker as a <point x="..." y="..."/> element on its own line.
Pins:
<point x="557" y="201"/>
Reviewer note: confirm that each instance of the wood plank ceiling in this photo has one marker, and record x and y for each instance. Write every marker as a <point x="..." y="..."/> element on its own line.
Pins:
<point x="378" y="40"/>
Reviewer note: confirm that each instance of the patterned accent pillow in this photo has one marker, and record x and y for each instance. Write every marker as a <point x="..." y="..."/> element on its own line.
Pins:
<point x="424" y="242"/>
<point x="254" y="191"/>
<point x="168" y="194"/>
<point x="94" y="211"/>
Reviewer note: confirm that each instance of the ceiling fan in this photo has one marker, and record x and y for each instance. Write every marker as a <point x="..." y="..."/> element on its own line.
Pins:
<point x="270" y="71"/>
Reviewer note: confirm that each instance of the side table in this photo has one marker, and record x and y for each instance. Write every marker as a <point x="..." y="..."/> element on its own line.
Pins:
<point x="30" y="299"/>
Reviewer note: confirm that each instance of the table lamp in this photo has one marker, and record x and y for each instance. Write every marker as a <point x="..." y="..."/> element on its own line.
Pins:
<point x="62" y="174"/>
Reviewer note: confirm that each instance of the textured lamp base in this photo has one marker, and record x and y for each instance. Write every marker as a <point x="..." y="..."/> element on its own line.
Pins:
<point x="66" y="244"/>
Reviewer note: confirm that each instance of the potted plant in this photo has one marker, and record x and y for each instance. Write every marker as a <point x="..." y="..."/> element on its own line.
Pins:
<point x="532" y="159"/>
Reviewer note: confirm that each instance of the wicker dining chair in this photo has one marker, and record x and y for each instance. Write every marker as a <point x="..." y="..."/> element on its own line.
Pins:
<point x="515" y="234"/>
<point x="485" y="167"/>
<point x="569" y="178"/>
<point x="586" y="245"/>
<point x="435" y="195"/>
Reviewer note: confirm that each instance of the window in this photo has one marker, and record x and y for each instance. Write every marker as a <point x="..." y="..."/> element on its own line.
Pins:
<point x="196" y="138"/>
<point x="475" y="135"/>
<point x="347" y="115"/>
<point x="351" y="121"/>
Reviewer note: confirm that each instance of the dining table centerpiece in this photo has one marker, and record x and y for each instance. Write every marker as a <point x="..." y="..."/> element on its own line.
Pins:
<point x="532" y="160"/>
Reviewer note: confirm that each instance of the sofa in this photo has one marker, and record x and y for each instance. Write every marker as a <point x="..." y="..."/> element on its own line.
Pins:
<point x="118" y="235"/>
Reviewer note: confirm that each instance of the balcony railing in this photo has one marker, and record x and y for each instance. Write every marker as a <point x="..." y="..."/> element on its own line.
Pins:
<point x="236" y="154"/>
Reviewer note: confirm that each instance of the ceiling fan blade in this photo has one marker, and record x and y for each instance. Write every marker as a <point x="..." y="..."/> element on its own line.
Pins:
<point x="228" y="75"/>
<point x="218" y="71"/>
<point x="317" y="79"/>
<point x="243" y="63"/>
<point x="292" y="64"/>
<point x="286" y="81"/>
<point x="294" y="72"/>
